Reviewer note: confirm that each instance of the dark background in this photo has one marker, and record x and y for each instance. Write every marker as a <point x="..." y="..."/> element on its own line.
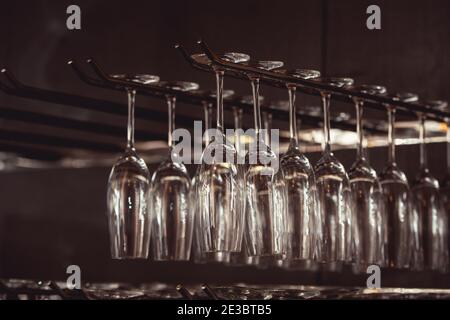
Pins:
<point x="55" y="217"/>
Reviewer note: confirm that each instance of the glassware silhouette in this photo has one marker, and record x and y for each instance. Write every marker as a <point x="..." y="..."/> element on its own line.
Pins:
<point x="265" y="190"/>
<point x="129" y="218"/>
<point x="219" y="191"/>
<point x="395" y="189"/>
<point x="429" y="250"/>
<point x="368" y="237"/>
<point x="333" y="192"/>
<point x="300" y="183"/>
<point x="170" y="195"/>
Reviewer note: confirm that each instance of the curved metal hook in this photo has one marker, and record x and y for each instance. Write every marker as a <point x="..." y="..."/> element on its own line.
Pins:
<point x="189" y="59"/>
<point x="84" y="77"/>
<point x="13" y="80"/>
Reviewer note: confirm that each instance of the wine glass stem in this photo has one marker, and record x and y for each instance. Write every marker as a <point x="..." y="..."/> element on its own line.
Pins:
<point x="423" y="151"/>
<point x="256" y="108"/>
<point x="237" y="117"/>
<point x="207" y="113"/>
<point x="448" y="146"/>
<point x="359" y="129"/>
<point x="391" y="134"/>
<point x="326" y="120"/>
<point x="130" y="125"/>
<point x="171" y="100"/>
<point x="267" y="119"/>
<point x="219" y="94"/>
<point x="292" y="115"/>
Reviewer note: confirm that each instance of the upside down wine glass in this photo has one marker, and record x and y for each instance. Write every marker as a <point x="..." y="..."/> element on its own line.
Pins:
<point x="128" y="185"/>
<point x="170" y="195"/>
<point x="300" y="183"/>
<point x="333" y="192"/>
<point x="430" y="250"/>
<point x="220" y="190"/>
<point x="368" y="220"/>
<point x="445" y="192"/>
<point x="395" y="188"/>
<point x="198" y="255"/>
<point x="265" y="190"/>
<point x="199" y="252"/>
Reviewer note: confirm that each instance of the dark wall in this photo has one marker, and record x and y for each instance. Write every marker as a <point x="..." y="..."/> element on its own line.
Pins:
<point x="52" y="218"/>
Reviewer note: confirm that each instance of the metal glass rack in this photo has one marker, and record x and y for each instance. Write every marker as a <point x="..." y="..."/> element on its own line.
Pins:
<point x="25" y="144"/>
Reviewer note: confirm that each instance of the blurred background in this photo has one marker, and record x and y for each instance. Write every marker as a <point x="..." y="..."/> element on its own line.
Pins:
<point x="53" y="217"/>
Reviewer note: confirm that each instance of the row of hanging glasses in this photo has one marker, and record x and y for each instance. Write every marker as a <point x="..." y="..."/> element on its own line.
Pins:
<point x="249" y="213"/>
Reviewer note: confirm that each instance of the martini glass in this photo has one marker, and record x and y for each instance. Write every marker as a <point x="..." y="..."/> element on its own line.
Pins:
<point x="333" y="191"/>
<point x="170" y="195"/>
<point x="128" y="185"/>
<point x="395" y="188"/>
<point x="366" y="197"/>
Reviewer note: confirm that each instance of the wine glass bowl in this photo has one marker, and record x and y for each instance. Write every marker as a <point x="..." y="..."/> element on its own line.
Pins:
<point x="129" y="217"/>
<point x="173" y="221"/>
